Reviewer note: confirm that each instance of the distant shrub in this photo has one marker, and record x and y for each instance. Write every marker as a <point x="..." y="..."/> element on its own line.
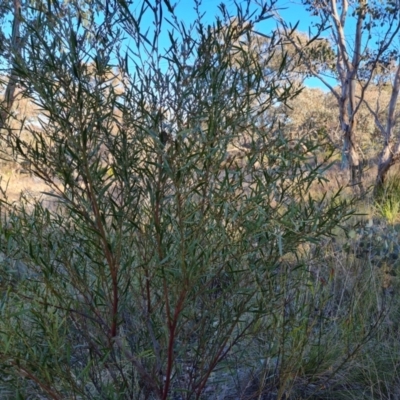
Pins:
<point x="388" y="199"/>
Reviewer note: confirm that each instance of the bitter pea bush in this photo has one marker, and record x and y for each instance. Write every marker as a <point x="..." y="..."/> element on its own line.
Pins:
<point x="164" y="260"/>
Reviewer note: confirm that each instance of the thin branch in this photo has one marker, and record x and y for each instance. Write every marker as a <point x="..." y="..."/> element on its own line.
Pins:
<point x="375" y="115"/>
<point x="393" y="100"/>
<point x="341" y="40"/>
<point x="16" y="45"/>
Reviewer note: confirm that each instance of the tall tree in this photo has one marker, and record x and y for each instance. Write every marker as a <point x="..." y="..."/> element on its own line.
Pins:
<point x="361" y="32"/>
<point x="386" y="124"/>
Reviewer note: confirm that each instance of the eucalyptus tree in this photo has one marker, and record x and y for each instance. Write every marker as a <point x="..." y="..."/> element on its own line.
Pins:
<point x="361" y="33"/>
<point x="388" y="80"/>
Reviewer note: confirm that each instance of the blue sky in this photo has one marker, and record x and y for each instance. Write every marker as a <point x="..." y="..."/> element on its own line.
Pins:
<point x="290" y="11"/>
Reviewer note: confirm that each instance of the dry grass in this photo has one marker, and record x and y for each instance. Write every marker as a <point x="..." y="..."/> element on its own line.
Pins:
<point x="15" y="185"/>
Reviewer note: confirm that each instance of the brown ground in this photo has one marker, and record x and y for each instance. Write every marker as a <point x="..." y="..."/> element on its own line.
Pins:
<point x="15" y="184"/>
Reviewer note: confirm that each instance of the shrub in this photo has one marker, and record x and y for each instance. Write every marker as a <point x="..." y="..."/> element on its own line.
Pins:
<point x="166" y="259"/>
<point x="387" y="200"/>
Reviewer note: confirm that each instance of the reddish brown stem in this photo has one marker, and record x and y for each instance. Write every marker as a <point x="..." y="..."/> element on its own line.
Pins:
<point x="148" y="292"/>
<point x="172" y="329"/>
<point x="114" y="308"/>
<point x="109" y="256"/>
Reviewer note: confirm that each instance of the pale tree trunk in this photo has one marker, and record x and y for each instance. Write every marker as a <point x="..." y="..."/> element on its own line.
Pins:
<point x="390" y="154"/>
<point x="347" y="114"/>
<point x="334" y="14"/>
<point x="347" y="71"/>
<point x="16" y="44"/>
<point x="351" y="157"/>
<point x="347" y="66"/>
<point x="389" y="157"/>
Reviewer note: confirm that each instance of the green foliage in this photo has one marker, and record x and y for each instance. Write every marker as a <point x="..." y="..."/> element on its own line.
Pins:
<point x="152" y="280"/>
<point x="388" y="199"/>
<point x="389" y="209"/>
<point x="377" y="243"/>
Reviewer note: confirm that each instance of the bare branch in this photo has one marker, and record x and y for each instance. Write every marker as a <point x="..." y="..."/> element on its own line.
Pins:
<point x="341" y="39"/>
<point x="393" y="100"/>
<point x="374" y="114"/>
<point x="16" y="44"/>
